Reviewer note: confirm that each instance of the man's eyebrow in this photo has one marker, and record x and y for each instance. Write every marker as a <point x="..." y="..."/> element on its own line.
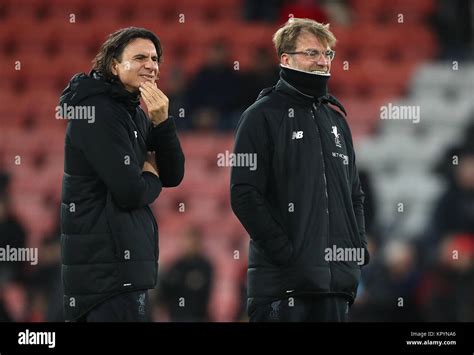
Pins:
<point x="317" y="50"/>
<point x="144" y="55"/>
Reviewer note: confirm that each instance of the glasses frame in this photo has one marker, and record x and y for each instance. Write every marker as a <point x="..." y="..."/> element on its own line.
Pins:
<point x="314" y="53"/>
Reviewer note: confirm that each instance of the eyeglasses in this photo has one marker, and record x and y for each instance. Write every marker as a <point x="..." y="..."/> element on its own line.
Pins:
<point x="315" y="54"/>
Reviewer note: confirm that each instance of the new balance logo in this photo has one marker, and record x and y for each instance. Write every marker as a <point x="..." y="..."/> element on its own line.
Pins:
<point x="297" y="135"/>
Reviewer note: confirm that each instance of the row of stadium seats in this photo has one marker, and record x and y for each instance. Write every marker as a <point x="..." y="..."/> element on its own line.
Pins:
<point x="166" y="11"/>
<point x="403" y="155"/>
<point x="153" y="10"/>
<point x="55" y="38"/>
<point x="383" y="11"/>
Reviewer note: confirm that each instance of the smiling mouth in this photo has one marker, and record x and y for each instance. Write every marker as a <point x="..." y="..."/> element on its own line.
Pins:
<point x="320" y="71"/>
<point x="151" y="77"/>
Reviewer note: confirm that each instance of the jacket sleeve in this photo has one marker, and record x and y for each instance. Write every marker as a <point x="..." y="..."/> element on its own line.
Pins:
<point x="357" y="194"/>
<point x="249" y="186"/>
<point x="107" y="146"/>
<point x="164" y="141"/>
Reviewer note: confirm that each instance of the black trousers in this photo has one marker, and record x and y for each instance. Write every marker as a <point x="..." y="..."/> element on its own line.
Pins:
<point x="125" y="307"/>
<point x="307" y="308"/>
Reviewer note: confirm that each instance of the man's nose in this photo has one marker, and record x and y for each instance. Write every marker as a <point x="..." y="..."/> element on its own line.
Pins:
<point x="322" y="60"/>
<point x="149" y="64"/>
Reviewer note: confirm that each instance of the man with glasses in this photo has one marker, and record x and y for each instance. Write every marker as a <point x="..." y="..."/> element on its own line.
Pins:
<point x="301" y="203"/>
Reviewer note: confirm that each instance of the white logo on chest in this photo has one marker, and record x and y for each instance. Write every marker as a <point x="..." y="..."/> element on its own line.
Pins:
<point x="136" y="134"/>
<point x="336" y="135"/>
<point x="297" y="135"/>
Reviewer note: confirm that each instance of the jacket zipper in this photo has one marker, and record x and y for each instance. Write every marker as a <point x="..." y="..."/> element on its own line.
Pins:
<point x="325" y="183"/>
<point x="154" y="227"/>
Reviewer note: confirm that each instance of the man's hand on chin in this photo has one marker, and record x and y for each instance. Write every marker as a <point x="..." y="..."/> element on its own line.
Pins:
<point x="156" y="102"/>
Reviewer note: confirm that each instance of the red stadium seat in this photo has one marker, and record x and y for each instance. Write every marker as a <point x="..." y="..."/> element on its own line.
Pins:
<point x="387" y="12"/>
<point x="363" y="115"/>
<point x="211" y="10"/>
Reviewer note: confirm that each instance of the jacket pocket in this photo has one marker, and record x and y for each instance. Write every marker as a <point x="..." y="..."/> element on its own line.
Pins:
<point x="345" y="259"/>
<point x="87" y="249"/>
<point x="133" y="232"/>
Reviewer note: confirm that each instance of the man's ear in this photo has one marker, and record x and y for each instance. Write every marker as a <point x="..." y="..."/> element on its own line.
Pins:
<point x="114" y="66"/>
<point x="285" y="59"/>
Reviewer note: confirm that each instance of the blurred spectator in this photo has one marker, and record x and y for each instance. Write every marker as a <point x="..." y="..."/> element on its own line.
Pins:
<point x="214" y="91"/>
<point x="240" y="243"/>
<point x="45" y="280"/>
<point x="469" y="137"/>
<point x="389" y="285"/>
<point x="4" y="316"/>
<point x="453" y="23"/>
<point x="263" y="10"/>
<point x="445" y="166"/>
<point x="303" y="9"/>
<point x="454" y="211"/>
<point x="206" y="119"/>
<point x="13" y="295"/>
<point x="264" y="74"/>
<point x="176" y="92"/>
<point x="11" y="233"/>
<point x="185" y="287"/>
<point x="15" y="300"/>
<point x="447" y="291"/>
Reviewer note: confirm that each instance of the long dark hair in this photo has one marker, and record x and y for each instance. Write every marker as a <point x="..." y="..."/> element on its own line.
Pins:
<point x="113" y="48"/>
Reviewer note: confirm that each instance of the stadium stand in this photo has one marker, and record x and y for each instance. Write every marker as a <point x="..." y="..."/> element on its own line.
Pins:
<point x="379" y="61"/>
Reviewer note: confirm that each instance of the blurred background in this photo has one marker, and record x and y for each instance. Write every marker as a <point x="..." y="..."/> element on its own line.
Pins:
<point x="218" y="55"/>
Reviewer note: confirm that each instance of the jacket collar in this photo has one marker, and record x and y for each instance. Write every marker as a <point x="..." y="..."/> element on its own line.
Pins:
<point x="286" y="88"/>
<point x="117" y="91"/>
<point x="297" y="96"/>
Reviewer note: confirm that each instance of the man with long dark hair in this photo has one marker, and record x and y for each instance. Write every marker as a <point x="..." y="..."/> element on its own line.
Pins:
<point x="117" y="159"/>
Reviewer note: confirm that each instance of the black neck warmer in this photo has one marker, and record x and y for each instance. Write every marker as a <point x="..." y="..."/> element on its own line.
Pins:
<point x="308" y="83"/>
<point x="118" y="92"/>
